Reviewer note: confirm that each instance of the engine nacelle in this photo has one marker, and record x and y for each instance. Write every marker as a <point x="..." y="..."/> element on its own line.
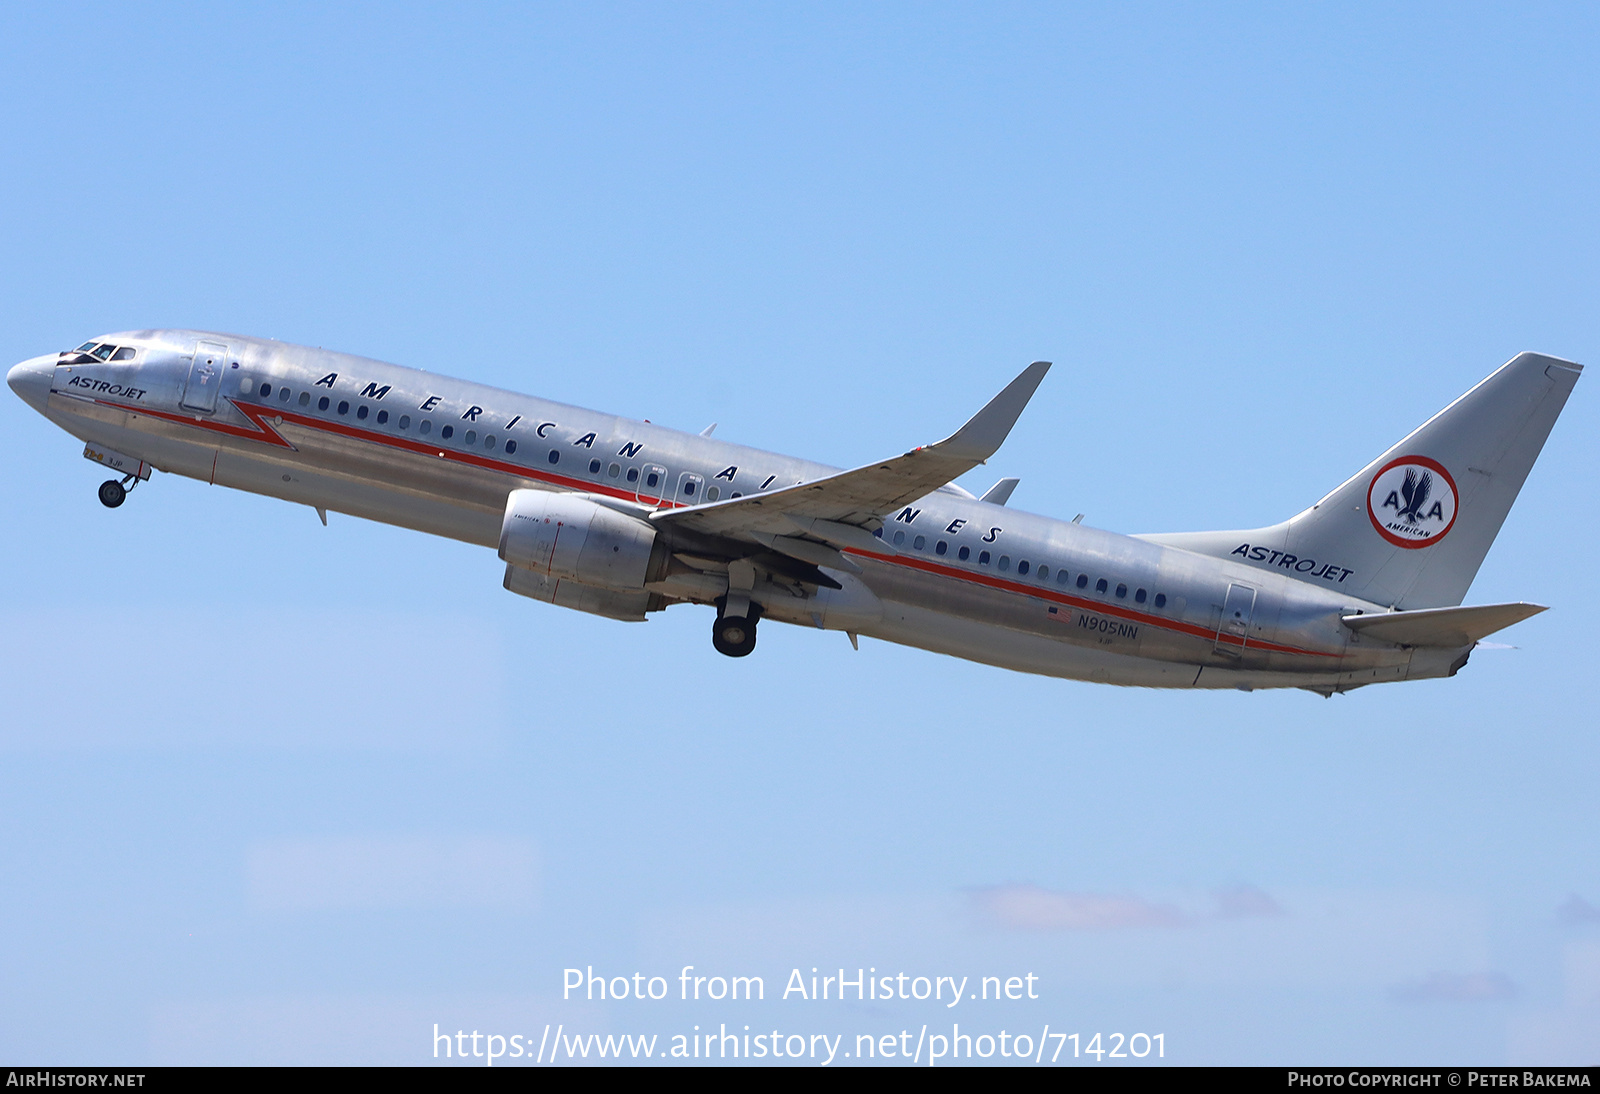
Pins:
<point x="567" y="537"/>
<point x="625" y="604"/>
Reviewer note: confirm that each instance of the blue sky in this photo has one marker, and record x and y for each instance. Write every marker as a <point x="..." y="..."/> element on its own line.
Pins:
<point x="279" y="792"/>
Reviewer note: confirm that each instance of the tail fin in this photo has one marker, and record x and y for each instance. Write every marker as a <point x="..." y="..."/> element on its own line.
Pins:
<point x="1412" y="527"/>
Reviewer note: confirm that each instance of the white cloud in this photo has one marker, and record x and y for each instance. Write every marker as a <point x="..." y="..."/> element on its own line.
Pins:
<point x="1031" y="908"/>
<point x="1577" y="910"/>
<point x="1455" y="987"/>
<point x="1569" y="1035"/>
<point x="1246" y="901"/>
<point x="354" y="1030"/>
<point x="1583" y="974"/>
<point x="1351" y="938"/>
<point x="348" y="872"/>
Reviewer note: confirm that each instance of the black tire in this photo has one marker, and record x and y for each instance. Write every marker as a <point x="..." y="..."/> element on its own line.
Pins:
<point x="112" y="494"/>
<point x="734" y="635"/>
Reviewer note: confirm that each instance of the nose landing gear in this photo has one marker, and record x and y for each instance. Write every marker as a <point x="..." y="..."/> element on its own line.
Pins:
<point x="113" y="493"/>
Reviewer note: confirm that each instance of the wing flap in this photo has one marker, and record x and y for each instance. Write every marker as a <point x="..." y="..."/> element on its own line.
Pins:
<point x="1448" y="627"/>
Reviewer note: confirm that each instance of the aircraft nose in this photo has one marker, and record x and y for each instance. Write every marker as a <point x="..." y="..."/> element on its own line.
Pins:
<point x="31" y="380"/>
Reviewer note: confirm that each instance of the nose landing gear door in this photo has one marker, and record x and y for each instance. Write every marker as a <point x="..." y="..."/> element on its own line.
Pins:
<point x="205" y="377"/>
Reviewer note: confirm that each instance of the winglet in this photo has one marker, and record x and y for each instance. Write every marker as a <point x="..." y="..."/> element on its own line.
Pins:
<point x="983" y="435"/>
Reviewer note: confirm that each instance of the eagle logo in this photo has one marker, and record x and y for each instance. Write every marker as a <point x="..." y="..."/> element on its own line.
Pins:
<point x="1415" y="492"/>
<point x="1412" y="501"/>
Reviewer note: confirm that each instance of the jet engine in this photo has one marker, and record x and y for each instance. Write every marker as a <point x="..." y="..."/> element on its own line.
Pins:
<point x="568" y="550"/>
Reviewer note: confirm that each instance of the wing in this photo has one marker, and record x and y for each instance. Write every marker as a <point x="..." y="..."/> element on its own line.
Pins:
<point x="857" y="499"/>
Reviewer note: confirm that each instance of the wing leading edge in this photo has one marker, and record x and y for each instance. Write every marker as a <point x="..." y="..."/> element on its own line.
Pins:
<point x="856" y="499"/>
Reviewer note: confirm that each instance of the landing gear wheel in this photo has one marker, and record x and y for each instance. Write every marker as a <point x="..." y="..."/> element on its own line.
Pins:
<point x="734" y="635"/>
<point x="112" y="494"/>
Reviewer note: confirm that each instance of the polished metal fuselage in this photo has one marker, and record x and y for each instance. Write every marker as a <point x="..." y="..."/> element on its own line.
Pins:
<point x="951" y="573"/>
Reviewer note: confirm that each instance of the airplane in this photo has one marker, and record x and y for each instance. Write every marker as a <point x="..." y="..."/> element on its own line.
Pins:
<point x="623" y="518"/>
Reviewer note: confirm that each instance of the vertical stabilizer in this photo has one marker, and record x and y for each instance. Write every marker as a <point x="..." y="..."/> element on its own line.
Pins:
<point x="1412" y="527"/>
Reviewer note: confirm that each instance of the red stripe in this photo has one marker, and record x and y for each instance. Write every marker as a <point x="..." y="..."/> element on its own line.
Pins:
<point x="265" y="433"/>
<point x="1080" y="603"/>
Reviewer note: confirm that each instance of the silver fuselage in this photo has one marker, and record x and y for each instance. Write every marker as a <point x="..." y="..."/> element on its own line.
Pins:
<point x="952" y="574"/>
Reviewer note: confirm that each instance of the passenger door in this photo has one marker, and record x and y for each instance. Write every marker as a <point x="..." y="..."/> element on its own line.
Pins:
<point x="205" y="377"/>
<point x="1233" y="632"/>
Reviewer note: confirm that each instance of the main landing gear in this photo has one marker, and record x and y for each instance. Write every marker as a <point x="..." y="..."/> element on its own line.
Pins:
<point x="113" y="493"/>
<point x="735" y="635"/>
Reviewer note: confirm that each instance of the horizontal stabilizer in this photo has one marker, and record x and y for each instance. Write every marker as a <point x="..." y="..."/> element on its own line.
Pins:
<point x="1450" y="627"/>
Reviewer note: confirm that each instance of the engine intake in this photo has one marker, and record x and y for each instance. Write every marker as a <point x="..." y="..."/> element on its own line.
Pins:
<point x="562" y="539"/>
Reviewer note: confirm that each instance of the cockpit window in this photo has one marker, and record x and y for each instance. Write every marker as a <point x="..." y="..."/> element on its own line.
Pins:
<point x="124" y="354"/>
<point x="105" y="351"/>
<point x="86" y="347"/>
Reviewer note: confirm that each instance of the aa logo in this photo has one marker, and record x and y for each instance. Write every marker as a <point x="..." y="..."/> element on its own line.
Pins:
<point x="1412" y="501"/>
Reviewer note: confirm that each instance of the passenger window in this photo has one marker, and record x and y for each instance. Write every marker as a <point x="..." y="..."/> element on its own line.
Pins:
<point x="266" y="389"/>
<point x="688" y="488"/>
<point x="1061" y="577"/>
<point x="983" y="558"/>
<point x="1122" y="591"/>
<point x="1100" y="586"/>
<point x="919" y="543"/>
<point x="1005" y="563"/>
<point x="447" y="432"/>
<point x="941" y="547"/>
<point x="633" y="474"/>
<point x="736" y="494"/>
<point x="899" y="538"/>
<point x="652" y="480"/>
<point x="964" y="554"/>
<point x="472" y="437"/>
<point x="105" y="351"/>
<point x="123" y="354"/>
<point x="405" y="422"/>
<point x="361" y="412"/>
<point x="1044" y="573"/>
<point x="283" y="395"/>
<point x="489" y="441"/>
<point x="322" y="403"/>
<point x="344" y="406"/>
<point x="383" y="417"/>
<point x="555" y="455"/>
<point x="511" y="447"/>
<point x="594" y="467"/>
<point x="713" y="493"/>
<point x="425" y="427"/>
<point x="1161" y="600"/>
<point x="245" y="384"/>
<point x="1083" y="581"/>
<point x="1022" y="567"/>
<point x="1138" y="597"/>
<point x="613" y="471"/>
<point x="305" y="398"/>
